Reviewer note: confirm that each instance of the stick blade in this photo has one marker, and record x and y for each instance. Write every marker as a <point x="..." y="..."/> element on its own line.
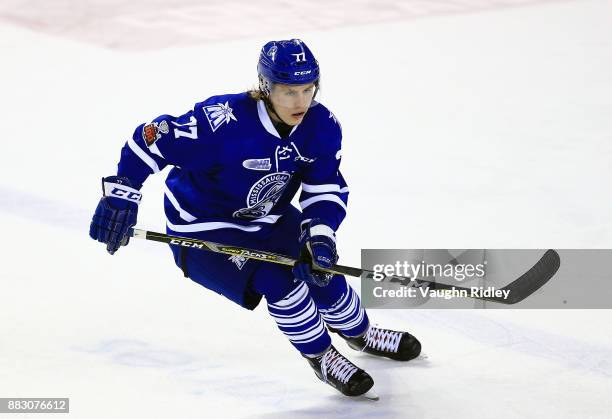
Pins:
<point x="534" y="278"/>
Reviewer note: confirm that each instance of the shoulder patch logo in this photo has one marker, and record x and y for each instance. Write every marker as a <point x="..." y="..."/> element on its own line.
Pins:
<point x="218" y="114"/>
<point x="151" y="132"/>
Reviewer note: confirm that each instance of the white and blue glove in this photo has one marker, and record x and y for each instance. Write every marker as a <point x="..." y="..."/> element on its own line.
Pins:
<point x="317" y="249"/>
<point x="117" y="211"/>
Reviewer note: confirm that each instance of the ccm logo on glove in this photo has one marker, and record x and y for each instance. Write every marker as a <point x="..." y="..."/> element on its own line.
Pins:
<point x="122" y="191"/>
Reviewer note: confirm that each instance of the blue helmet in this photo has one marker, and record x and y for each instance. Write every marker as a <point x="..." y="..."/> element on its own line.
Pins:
<point x="286" y="62"/>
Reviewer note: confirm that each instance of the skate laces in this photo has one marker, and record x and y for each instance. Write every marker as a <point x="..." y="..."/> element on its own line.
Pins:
<point x="337" y="366"/>
<point x="383" y="340"/>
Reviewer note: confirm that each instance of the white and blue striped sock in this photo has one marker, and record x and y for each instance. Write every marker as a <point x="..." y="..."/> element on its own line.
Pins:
<point x="347" y="315"/>
<point x="298" y="318"/>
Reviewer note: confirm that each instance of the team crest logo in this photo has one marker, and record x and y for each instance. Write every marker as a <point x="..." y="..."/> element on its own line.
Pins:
<point x="263" y="195"/>
<point x="218" y="114"/>
<point x="153" y="131"/>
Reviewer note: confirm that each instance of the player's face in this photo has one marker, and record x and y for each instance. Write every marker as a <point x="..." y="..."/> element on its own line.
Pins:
<point x="291" y="102"/>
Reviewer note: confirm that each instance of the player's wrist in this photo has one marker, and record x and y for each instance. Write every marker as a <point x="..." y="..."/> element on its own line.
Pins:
<point x="319" y="228"/>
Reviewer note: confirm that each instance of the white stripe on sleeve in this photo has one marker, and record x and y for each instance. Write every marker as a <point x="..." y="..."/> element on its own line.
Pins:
<point x="143" y="156"/>
<point x="324" y="197"/>
<point x="323" y="188"/>
<point x="155" y="150"/>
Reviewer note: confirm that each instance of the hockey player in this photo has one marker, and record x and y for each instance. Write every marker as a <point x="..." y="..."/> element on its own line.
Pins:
<point x="238" y="160"/>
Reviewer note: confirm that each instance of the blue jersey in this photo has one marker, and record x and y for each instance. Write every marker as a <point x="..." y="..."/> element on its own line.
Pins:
<point x="232" y="170"/>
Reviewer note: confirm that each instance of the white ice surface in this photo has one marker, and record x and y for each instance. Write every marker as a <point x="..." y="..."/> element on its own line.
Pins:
<point x="490" y="129"/>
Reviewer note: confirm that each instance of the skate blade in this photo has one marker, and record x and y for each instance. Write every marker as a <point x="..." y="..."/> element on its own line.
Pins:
<point x="368" y="395"/>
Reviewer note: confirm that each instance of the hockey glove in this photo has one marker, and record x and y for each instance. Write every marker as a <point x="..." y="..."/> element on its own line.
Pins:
<point x="317" y="249"/>
<point x="116" y="213"/>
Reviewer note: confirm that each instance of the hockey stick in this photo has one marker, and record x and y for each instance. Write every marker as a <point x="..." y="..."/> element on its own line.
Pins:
<point x="518" y="290"/>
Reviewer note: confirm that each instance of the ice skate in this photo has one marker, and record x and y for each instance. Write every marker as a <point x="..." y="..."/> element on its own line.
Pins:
<point x="400" y="346"/>
<point x="337" y="371"/>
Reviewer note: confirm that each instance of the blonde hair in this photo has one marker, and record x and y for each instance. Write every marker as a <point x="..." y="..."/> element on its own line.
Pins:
<point x="256" y="94"/>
